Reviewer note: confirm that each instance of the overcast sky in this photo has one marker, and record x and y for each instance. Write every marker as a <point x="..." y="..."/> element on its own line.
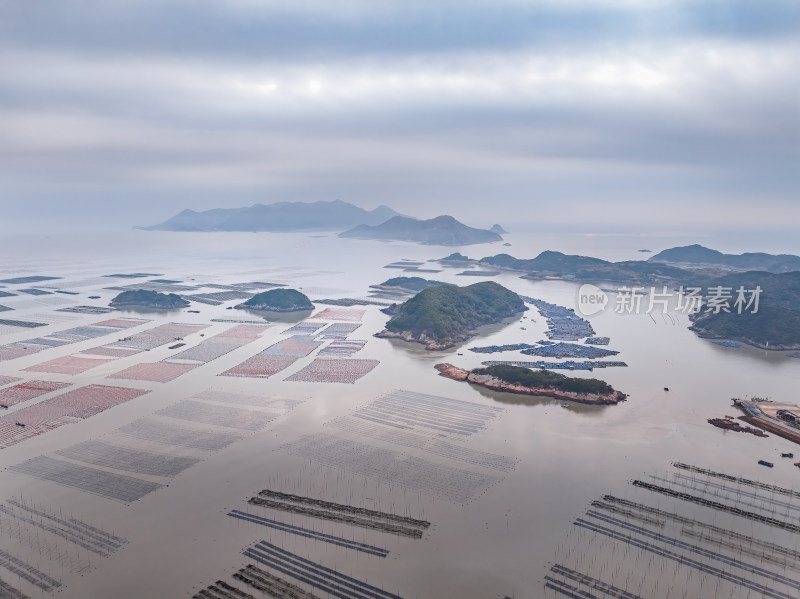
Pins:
<point x="606" y="115"/>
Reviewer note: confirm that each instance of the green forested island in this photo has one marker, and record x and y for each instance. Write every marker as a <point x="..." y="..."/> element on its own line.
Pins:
<point x="411" y="284"/>
<point x="444" y="315"/>
<point x="148" y="299"/>
<point x="540" y="383"/>
<point x="278" y="300"/>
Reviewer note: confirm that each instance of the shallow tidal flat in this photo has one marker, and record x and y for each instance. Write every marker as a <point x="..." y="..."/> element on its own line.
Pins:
<point x="155" y="472"/>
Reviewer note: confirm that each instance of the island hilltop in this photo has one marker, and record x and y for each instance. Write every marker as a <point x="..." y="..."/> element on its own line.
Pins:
<point x="541" y="383"/>
<point x="148" y="299"/>
<point x="442" y="316"/>
<point x="278" y="300"/>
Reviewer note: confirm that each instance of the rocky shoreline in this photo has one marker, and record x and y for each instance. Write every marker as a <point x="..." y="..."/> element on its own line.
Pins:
<point x="430" y="344"/>
<point x="490" y="382"/>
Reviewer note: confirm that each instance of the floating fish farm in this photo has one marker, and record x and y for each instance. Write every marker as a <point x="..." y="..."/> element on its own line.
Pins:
<point x="562" y="323"/>
<point x="589" y="365"/>
<point x="340" y="314"/>
<point x="275" y="358"/>
<point x="569" y="350"/>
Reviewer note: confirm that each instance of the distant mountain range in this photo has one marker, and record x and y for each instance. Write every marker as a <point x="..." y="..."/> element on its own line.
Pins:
<point x="278" y="217"/>
<point x="698" y="255"/>
<point x="442" y="230"/>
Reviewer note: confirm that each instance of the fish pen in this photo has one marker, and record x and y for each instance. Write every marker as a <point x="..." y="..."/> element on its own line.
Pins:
<point x="89" y="480"/>
<point x="148" y="429"/>
<point x="30" y="279"/>
<point x="493" y="349"/>
<point x="321" y="577"/>
<point x="457" y="485"/>
<point x="724" y="545"/>
<point x="334" y="370"/>
<point x="562" y="323"/>
<point x="340" y="314"/>
<point x="78" y="404"/>
<point x="107" y="455"/>
<point x="569" y="350"/>
<point x="86" y="310"/>
<point x="598" y="340"/>
<point x="408" y="410"/>
<point x="588" y="365"/>
<point x="310" y="534"/>
<point x="11" y="396"/>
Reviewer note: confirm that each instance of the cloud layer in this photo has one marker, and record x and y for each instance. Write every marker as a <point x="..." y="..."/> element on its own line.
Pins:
<point x="585" y="112"/>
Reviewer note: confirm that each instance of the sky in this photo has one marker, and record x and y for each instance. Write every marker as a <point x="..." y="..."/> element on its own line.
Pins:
<point x="588" y="115"/>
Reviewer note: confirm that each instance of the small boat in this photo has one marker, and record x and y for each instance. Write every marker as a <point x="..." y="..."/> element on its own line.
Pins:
<point x="787" y="455"/>
<point x="564" y="405"/>
<point x="666" y="388"/>
<point x="766" y="463"/>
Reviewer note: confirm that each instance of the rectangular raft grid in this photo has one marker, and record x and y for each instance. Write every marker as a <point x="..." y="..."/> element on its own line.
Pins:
<point x="391" y="467"/>
<point x="158" y="372"/>
<point x="275" y="358"/>
<point x="227" y="416"/>
<point x="72" y="406"/>
<point x="86" y="479"/>
<point x="412" y="411"/>
<point x="157" y="336"/>
<point x="25" y="348"/>
<point x="248" y="400"/>
<point x="304" y="328"/>
<point x="334" y="370"/>
<point x="219" y="345"/>
<point x="430" y="444"/>
<point x="17" y="394"/>
<point x="5" y="380"/>
<point x="107" y="455"/>
<point x="685" y="546"/>
<point x="342" y="349"/>
<point x="339" y="330"/>
<point x="148" y="429"/>
<point x="68" y="365"/>
<point x="340" y="314"/>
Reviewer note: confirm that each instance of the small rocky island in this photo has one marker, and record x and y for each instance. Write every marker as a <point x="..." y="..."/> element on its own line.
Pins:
<point x="442" y="316"/>
<point x="523" y="381"/>
<point x="278" y="300"/>
<point x="143" y="298"/>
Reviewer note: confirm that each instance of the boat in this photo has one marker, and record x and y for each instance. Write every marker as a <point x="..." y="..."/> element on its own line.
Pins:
<point x="666" y="388"/>
<point x="787" y="455"/>
<point x="564" y="405"/>
<point x="766" y="463"/>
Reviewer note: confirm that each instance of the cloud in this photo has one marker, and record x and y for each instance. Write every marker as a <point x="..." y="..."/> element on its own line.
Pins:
<point x="427" y="104"/>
